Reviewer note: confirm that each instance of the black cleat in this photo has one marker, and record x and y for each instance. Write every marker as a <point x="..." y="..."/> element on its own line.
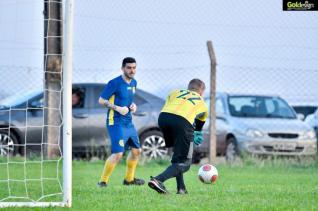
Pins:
<point x="134" y="182"/>
<point x="157" y="186"/>
<point x="182" y="191"/>
<point x="102" y="184"/>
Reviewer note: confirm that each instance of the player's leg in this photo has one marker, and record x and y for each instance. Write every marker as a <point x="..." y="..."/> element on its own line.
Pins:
<point x="182" y="150"/>
<point x="133" y="156"/>
<point x="181" y="189"/>
<point x="109" y="167"/>
<point x="165" y="122"/>
<point x="117" y="148"/>
<point x="132" y="162"/>
<point x="173" y="170"/>
<point x="182" y="135"/>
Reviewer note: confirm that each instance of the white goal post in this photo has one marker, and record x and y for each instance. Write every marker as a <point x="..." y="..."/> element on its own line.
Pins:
<point x="66" y="157"/>
<point x="67" y="99"/>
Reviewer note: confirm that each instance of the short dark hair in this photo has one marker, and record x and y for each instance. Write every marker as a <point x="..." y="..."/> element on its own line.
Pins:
<point x="196" y="85"/>
<point x="128" y="60"/>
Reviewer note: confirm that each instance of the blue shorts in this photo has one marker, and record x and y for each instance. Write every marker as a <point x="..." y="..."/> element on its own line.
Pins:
<point x="123" y="137"/>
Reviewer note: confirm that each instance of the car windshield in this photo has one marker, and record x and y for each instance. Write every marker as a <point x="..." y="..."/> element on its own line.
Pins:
<point x="260" y="106"/>
<point x="18" y="99"/>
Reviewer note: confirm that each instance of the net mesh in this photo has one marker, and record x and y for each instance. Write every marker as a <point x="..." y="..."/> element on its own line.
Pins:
<point x="30" y="140"/>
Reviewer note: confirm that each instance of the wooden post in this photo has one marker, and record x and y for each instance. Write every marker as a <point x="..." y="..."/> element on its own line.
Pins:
<point x="212" y="125"/>
<point x="52" y="73"/>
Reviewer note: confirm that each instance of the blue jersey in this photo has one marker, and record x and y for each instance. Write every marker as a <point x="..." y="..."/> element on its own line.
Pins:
<point x="120" y="93"/>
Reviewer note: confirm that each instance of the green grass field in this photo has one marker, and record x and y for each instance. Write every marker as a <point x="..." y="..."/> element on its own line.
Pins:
<point x="249" y="186"/>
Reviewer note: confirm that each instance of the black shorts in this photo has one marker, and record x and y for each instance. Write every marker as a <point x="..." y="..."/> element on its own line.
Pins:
<point x="178" y="133"/>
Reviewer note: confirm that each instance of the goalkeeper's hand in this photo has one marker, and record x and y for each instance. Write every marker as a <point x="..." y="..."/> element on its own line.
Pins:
<point x="122" y="110"/>
<point x="198" y="137"/>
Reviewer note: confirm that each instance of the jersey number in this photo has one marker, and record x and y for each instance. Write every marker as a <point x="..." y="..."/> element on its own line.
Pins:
<point x="184" y="94"/>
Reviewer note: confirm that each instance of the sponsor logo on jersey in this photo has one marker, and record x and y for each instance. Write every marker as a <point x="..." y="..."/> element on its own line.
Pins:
<point x="121" y="143"/>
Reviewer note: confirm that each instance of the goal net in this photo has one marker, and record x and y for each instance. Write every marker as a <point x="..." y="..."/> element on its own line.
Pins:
<point x="35" y="105"/>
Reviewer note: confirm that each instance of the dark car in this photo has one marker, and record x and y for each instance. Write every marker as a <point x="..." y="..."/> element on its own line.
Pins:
<point x="18" y="124"/>
<point x="305" y="110"/>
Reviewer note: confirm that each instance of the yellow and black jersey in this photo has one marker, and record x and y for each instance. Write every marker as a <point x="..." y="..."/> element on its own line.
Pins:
<point x="187" y="104"/>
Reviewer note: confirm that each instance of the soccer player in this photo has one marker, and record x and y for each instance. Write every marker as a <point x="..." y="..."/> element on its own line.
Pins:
<point x="181" y="121"/>
<point x="117" y="96"/>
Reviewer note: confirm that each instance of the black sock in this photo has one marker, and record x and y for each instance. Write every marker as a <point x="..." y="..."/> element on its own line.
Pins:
<point x="180" y="182"/>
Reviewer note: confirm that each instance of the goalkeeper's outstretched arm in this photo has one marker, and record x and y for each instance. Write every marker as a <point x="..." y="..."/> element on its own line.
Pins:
<point x="122" y="110"/>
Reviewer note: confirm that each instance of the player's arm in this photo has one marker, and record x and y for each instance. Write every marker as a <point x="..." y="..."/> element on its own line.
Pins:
<point x="199" y="123"/>
<point x="106" y="103"/>
<point x="122" y="110"/>
<point x="198" y="136"/>
<point x="106" y="94"/>
<point x="200" y="120"/>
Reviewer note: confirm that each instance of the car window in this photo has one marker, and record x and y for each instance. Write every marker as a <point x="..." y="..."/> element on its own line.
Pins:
<point x="37" y="102"/>
<point x="259" y="106"/>
<point x="276" y="106"/>
<point x="96" y="93"/>
<point x="78" y="97"/>
<point x="219" y="107"/>
<point x="138" y="100"/>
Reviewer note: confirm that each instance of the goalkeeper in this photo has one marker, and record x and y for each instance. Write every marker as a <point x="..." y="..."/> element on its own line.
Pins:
<point x="181" y="121"/>
<point x="117" y="96"/>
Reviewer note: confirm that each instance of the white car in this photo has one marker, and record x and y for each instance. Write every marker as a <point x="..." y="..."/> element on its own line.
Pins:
<point x="312" y="120"/>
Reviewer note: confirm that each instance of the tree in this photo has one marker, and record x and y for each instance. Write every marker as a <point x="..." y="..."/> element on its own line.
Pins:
<point x="53" y="76"/>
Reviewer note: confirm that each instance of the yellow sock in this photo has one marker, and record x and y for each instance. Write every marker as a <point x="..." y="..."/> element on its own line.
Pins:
<point x="130" y="170"/>
<point x="108" y="170"/>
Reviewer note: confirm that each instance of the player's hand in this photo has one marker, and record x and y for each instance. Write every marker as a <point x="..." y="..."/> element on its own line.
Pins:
<point x="122" y="110"/>
<point x="133" y="108"/>
<point x="198" y="138"/>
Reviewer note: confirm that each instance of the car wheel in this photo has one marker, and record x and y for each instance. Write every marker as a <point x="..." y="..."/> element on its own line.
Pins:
<point x="231" y="152"/>
<point x="8" y="143"/>
<point x="153" y="145"/>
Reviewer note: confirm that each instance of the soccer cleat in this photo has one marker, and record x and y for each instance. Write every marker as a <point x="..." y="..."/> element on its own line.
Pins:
<point x="134" y="182"/>
<point x="182" y="191"/>
<point x="157" y="186"/>
<point x="102" y="184"/>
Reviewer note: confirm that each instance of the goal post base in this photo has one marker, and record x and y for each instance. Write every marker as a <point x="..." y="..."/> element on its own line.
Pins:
<point x="33" y="204"/>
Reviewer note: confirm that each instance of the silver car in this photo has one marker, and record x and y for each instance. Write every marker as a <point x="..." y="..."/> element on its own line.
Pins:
<point x="18" y="124"/>
<point x="259" y="125"/>
<point x="312" y="120"/>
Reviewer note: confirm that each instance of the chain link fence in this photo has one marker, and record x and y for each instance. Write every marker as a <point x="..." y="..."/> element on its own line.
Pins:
<point x="260" y="49"/>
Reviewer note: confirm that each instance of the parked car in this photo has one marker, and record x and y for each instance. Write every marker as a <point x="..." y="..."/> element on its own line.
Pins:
<point x="259" y="125"/>
<point x="305" y="110"/>
<point x="18" y="124"/>
<point x="312" y="120"/>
